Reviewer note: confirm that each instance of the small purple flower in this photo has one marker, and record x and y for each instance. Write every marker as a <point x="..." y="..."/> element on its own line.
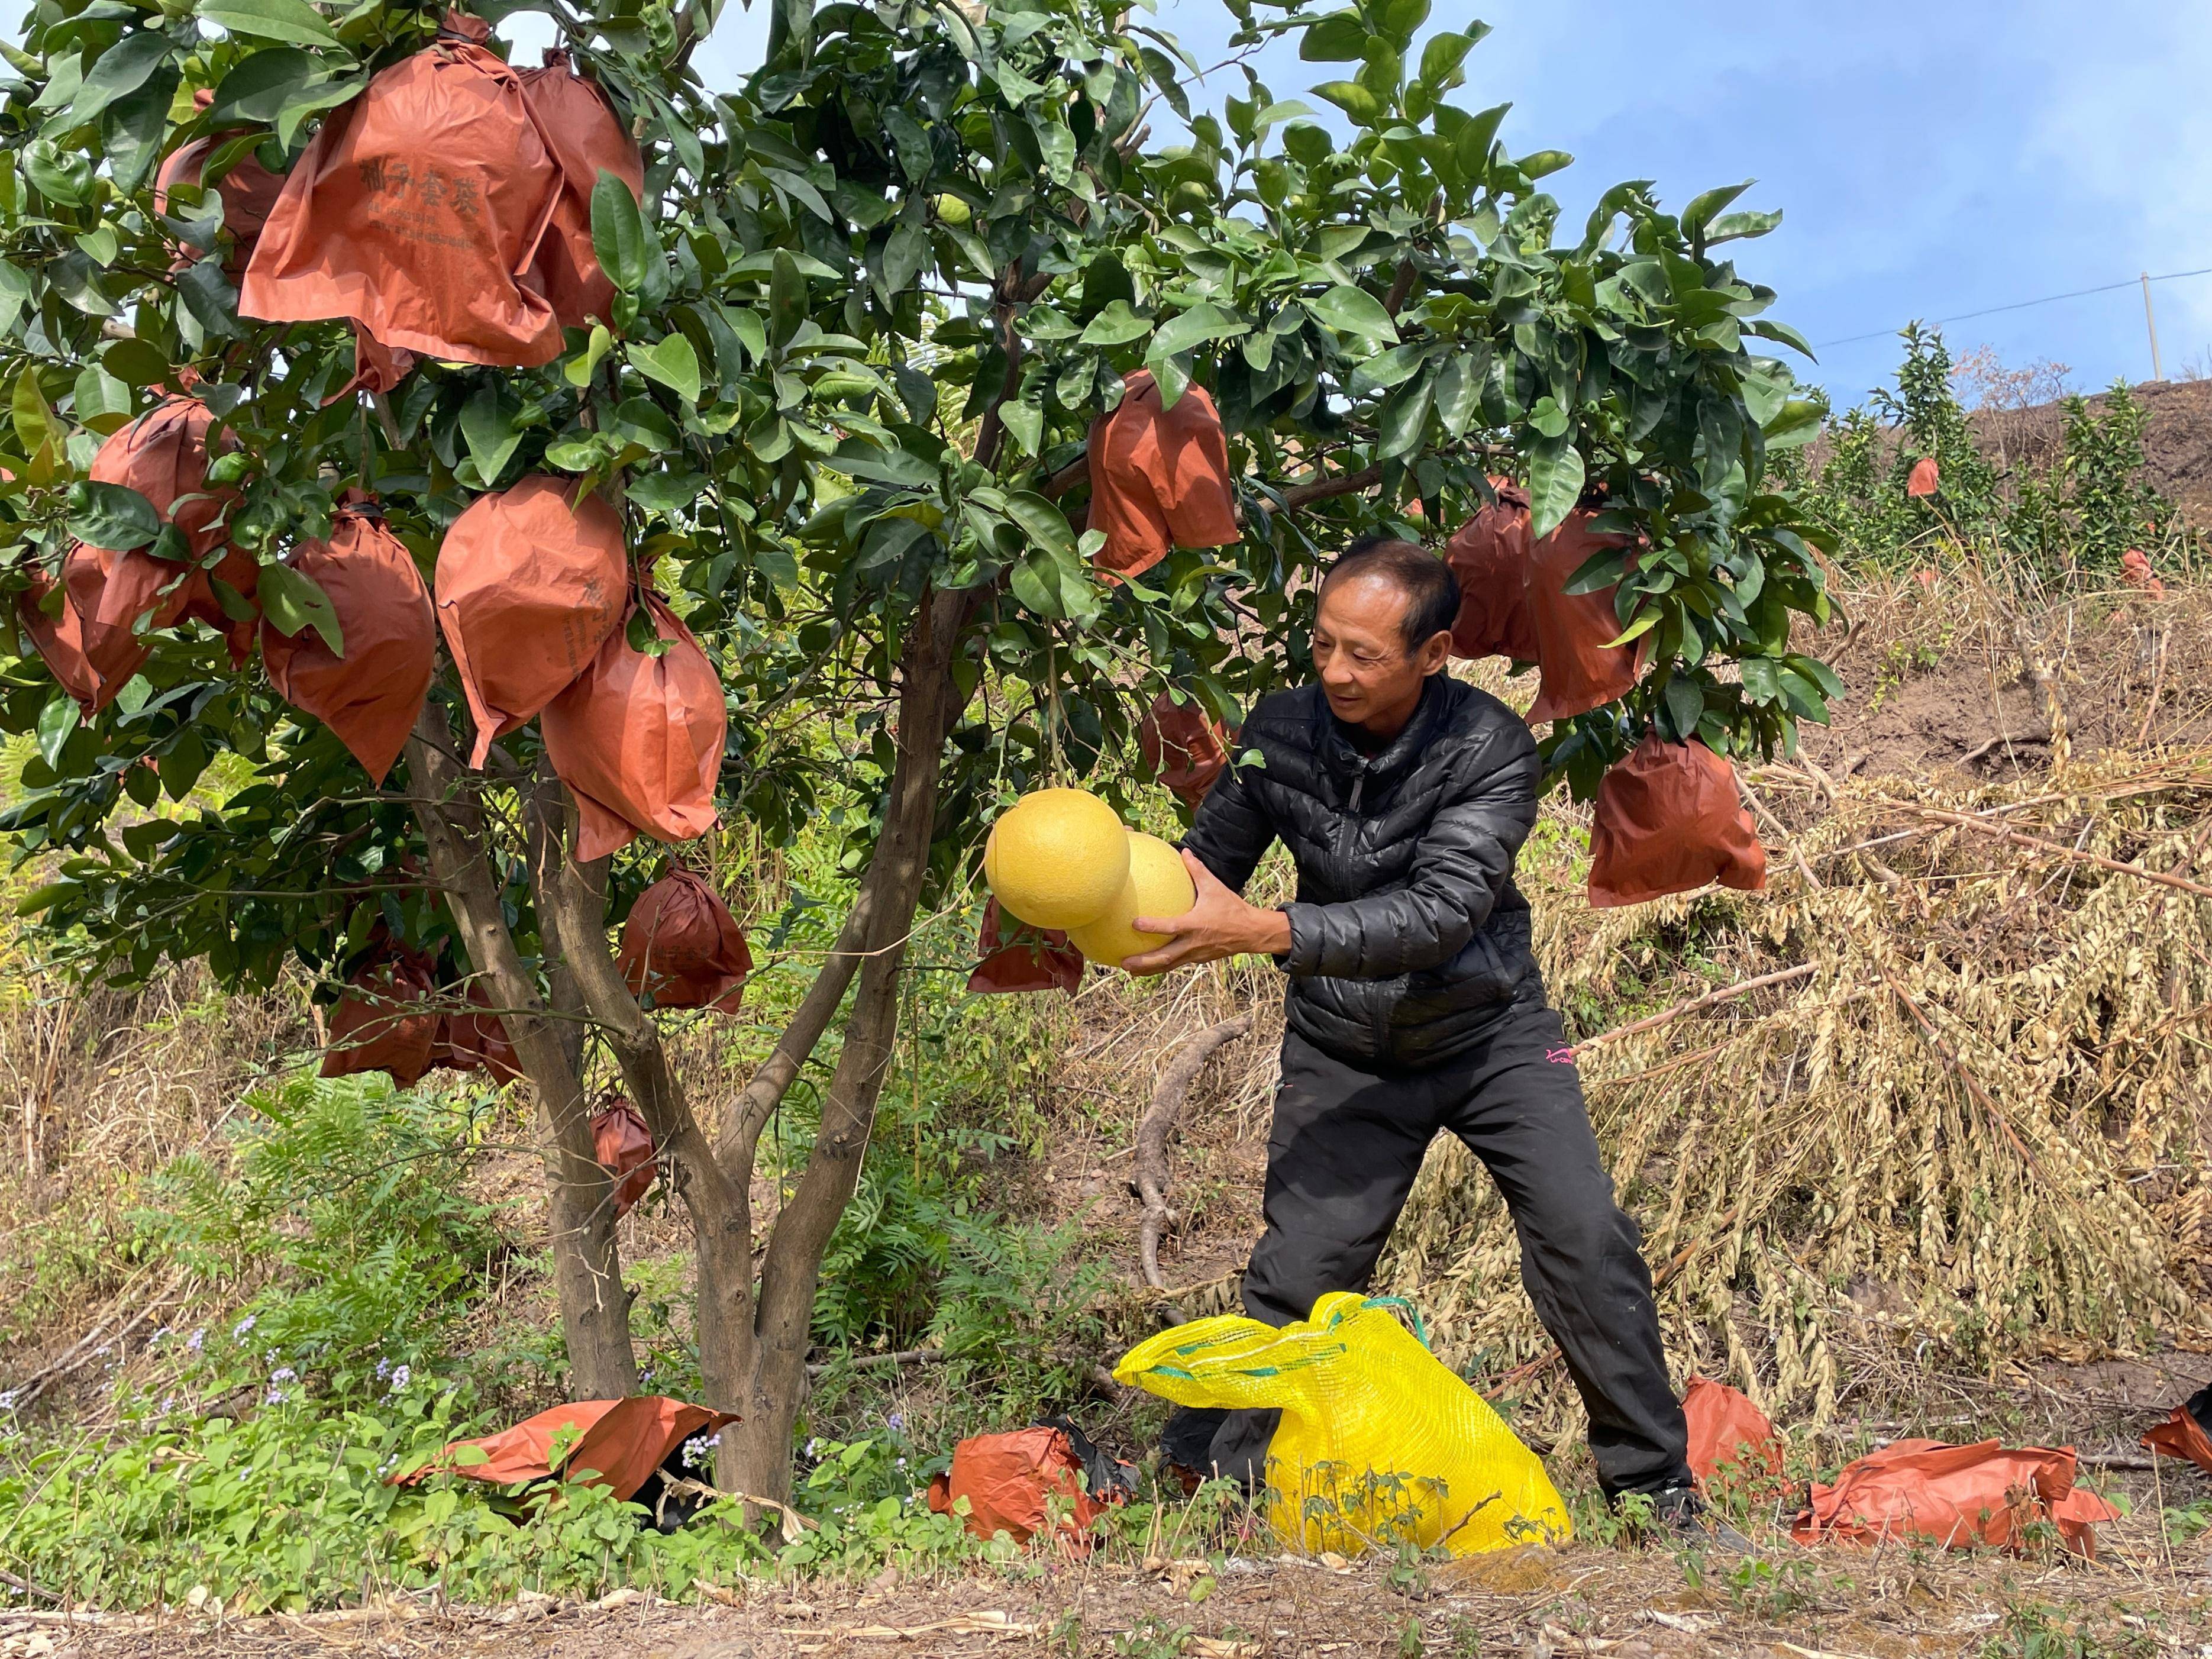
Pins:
<point x="239" y="1330"/>
<point x="276" y="1397"/>
<point x="284" y="1374"/>
<point x="895" y="1420"/>
<point x="198" y="1337"/>
<point x="383" y="1370"/>
<point x="401" y="1377"/>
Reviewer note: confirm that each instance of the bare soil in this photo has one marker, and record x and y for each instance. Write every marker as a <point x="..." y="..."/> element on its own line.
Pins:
<point x="1584" y="1599"/>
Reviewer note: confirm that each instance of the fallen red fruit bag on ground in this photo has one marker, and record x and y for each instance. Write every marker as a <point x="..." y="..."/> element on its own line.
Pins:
<point x="1183" y="746"/>
<point x="1491" y="554"/>
<point x="531" y="582"/>
<point x="587" y="138"/>
<point x="624" y="1146"/>
<point x="683" y="948"/>
<point x="621" y="1440"/>
<point x="247" y="189"/>
<point x="370" y="697"/>
<point x="2188" y="1432"/>
<point x="1726" y="1430"/>
<point x="1667" y="820"/>
<point x="638" y="739"/>
<point x="1022" y="958"/>
<point x="1006" y="1479"/>
<point x="1957" y="1496"/>
<point x="1159" y="478"/>
<point x="416" y="212"/>
<point x="386" y="1022"/>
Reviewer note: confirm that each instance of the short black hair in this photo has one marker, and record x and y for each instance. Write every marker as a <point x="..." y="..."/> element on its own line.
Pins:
<point x="1431" y="585"/>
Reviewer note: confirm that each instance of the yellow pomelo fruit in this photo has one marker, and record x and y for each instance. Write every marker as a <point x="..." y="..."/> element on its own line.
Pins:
<point x="1058" y="859"/>
<point x="1158" y="886"/>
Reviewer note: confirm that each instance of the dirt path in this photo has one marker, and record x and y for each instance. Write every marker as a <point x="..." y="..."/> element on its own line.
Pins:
<point x="1586" y="1599"/>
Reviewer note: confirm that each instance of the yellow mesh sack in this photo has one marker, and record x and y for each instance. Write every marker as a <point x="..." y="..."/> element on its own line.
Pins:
<point x="1380" y="1444"/>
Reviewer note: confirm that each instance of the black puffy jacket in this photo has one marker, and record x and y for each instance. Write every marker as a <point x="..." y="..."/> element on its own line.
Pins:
<point x="1407" y="933"/>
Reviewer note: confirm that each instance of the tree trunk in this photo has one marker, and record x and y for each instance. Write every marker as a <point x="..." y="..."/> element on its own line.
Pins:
<point x="762" y="1362"/>
<point x="586" y="1265"/>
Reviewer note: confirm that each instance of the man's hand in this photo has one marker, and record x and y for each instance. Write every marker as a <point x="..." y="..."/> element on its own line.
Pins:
<point x="1219" y="925"/>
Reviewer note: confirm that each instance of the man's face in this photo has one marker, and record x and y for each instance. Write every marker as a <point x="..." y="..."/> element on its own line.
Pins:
<point x="1360" y="652"/>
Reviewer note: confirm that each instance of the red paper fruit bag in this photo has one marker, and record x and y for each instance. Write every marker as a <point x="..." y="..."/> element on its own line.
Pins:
<point x="638" y="739"/>
<point x="247" y="189"/>
<point x="474" y="1039"/>
<point x="1006" y="1479"/>
<point x="1727" y="1429"/>
<point x="1668" y="821"/>
<point x="1957" y="1496"/>
<point x="59" y="638"/>
<point x="531" y="582"/>
<point x="681" y="946"/>
<point x="386" y="1022"/>
<point x="622" y="1441"/>
<point x="417" y="211"/>
<point x="1580" y="671"/>
<point x="1183" y="746"/>
<point x="1491" y="555"/>
<point x="2188" y="1432"/>
<point x="624" y="1146"/>
<point x="1159" y="478"/>
<point x="587" y="138"/>
<point x="1020" y="957"/>
<point x="372" y="694"/>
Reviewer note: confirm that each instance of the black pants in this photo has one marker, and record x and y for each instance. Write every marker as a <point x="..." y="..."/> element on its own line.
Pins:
<point x="1346" y="1146"/>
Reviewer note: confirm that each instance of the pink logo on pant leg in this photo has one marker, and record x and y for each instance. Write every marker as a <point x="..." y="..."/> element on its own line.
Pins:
<point x="1561" y="1056"/>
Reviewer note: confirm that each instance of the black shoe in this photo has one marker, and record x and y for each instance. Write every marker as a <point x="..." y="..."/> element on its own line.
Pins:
<point x="1680" y="1517"/>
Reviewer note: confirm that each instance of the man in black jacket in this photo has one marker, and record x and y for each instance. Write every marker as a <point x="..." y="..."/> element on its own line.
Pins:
<point x="1415" y="1006"/>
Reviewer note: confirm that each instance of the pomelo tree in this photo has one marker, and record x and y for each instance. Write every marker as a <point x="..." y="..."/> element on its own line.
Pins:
<point x="873" y="300"/>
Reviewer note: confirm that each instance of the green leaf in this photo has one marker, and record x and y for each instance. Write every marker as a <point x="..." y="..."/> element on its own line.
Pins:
<point x="315" y="96"/>
<point x="904" y="255"/>
<point x="1685" y="703"/>
<point x="292" y="602"/>
<point x="618" y="232"/>
<point x="132" y="130"/>
<point x="1762" y="678"/>
<point x="1339" y="38"/>
<point x="1741" y="227"/>
<point x="673" y="362"/>
<point x="751" y="332"/>
<point x="101" y="401"/>
<point x="488" y="428"/>
<point x="1443" y="55"/>
<point x="1646" y="620"/>
<point x="1202" y="322"/>
<point x="786" y="298"/>
<point x="123" y="68"/>
<point x="1105" y="280"/>
<point x="1401" y="19"/>
<point x="579" y="369"/>
<point x="1404" y="421"/>
<point x="1459" y="391"/>
<point x="1767" y="328"/>
<point x="1117" y="325"/>
<point x="1025" y="421"/>
<point x="1555" y="484"/>
<point x="256" y="89"/>
<point x="271" y="19"/>
<point x="1798" y="424"/>
<point x="1471" y="145"/>
<point x="1702" y="208"/>
<point x="1354" y="100"/>
<point x="14" y="290"/>
<point x="112" y="517"/>
<point x="1542" y="163"/>
<point x="56" y="720"/>
<point x="1034" y="579"/>
<point x="33" y="419"/>
<point x="1354" y="311"/>
<point x="1041" y="521"/>
<point x="60" y="176"/>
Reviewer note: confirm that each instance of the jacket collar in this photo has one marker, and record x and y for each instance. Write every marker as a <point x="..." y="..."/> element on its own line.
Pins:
<point x="1344" y="759"/>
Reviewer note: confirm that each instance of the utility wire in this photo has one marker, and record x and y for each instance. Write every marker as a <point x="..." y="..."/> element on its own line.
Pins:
<point x="2022" y="305"/>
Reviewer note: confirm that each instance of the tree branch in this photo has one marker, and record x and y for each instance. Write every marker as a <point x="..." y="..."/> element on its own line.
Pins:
<point x="1168" y="1097"/>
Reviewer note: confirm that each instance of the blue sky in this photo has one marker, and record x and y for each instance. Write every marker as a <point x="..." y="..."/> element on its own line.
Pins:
<point x="1933" y="157"/>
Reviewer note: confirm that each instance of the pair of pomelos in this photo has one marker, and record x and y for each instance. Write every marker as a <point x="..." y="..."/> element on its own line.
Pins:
<point x="1061" y="859"/>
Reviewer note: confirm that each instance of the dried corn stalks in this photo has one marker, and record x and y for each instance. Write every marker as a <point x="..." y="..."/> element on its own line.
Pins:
<point x="1983" y="1120"/>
